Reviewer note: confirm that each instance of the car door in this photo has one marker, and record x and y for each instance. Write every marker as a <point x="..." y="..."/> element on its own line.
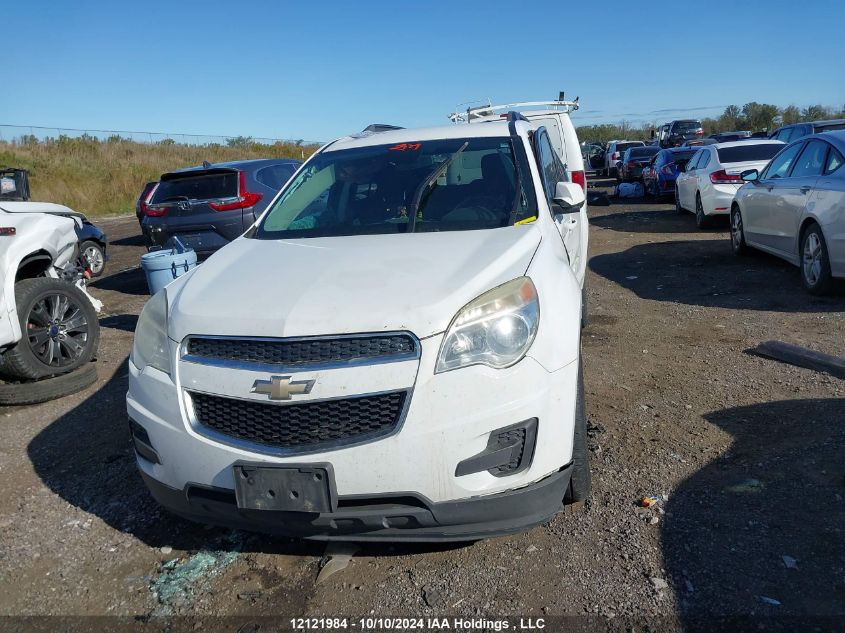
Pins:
<point x="686" y="180"/>
<point x="758" y="203"/>
<point x="569" y="225"/>
<point x="793" y="194"/>
<point x="827" y="205"/>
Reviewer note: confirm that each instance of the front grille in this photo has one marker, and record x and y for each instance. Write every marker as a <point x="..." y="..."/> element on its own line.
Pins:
<point x="302" y="426"/>
<point x="305" y="351"/>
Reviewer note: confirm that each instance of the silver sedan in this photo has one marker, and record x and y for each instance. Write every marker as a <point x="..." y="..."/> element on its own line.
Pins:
<point x="795" y="209"/>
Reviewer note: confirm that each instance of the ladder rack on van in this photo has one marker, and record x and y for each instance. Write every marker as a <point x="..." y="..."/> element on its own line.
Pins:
<point x="480" y="112"/>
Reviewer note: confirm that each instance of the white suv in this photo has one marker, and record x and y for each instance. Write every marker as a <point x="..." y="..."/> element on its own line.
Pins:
<point x="391" y="352"/>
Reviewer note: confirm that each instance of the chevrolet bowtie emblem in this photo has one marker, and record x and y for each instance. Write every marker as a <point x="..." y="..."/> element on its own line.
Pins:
<point x="281" y="387"/>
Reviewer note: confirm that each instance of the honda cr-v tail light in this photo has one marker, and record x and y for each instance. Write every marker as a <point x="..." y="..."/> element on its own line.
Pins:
<point x="245" y="198"/>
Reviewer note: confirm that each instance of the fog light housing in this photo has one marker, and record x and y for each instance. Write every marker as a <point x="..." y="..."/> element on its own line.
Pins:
<point x="509" y="451"/>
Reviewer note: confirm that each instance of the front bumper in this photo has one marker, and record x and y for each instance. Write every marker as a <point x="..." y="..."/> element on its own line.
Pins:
<point x="450" y="419"/>
<point x="410" y="518"/>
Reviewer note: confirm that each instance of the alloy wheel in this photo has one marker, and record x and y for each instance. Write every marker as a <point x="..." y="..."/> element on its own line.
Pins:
<point x="736" y="230"/>
<point x="94" y="257"/>
<point x="57" y="330"/>
<point x="812" y="260"/>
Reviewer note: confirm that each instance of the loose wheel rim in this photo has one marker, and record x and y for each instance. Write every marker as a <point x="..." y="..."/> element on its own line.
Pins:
<point x="57" y="330"/>
<point x="94" y="257"/>
<point x="812" y="259"/>
<point x="736" y="229"/>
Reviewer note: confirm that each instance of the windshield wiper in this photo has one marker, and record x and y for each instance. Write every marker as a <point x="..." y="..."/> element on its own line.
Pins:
<point x="426" y="184"/>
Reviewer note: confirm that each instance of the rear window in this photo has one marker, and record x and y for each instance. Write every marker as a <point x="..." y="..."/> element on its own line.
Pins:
<point x="202" y="186"/>
<point x="830" y="126"/>
<point x="682" y="156"/>
<point x="639" y="152"/>
<point x="747" y="152"/>
<point x="621" y="147"/>
<point x="686" y="126"/>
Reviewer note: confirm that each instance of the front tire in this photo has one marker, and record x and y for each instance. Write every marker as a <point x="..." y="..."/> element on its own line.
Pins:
<point x="738" y="244"/>
<point x="59" y="330"/>
<point x="94" y="256"/>
<point x="815" y="262"/>
<point x="580" y="483"/>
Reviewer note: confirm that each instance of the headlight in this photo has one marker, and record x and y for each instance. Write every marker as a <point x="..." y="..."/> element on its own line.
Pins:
<point x="151" y="346"/>
<point x="496" y="329"/>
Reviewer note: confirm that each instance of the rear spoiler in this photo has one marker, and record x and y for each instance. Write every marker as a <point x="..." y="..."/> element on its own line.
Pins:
<point x="188" y="173"/>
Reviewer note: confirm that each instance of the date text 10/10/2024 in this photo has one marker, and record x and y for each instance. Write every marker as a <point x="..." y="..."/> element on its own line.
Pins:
<point x="418" y="624"/>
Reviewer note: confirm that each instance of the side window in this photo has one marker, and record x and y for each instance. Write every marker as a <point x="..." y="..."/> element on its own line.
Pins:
<point x="274" y="176"/>
<point x="811" y="161"/>
<point x="693" y="162"/>
<point x="704" y="160"/>
<point x="548" y="168"/>
<point x="784" y="134"/>
<point x="834" y="161"/>
<point x="780" y="165"/>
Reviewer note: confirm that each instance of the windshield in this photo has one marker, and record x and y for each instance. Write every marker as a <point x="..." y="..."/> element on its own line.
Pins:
<point x="454" y="185"/>
<point x="686" y="126"/>
<point x="749" y="151"/>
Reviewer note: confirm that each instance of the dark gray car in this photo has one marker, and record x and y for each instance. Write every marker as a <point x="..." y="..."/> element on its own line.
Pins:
<point x="209" y="206"/>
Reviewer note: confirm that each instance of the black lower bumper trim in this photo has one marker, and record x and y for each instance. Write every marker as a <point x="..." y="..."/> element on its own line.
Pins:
<point x="402" y="517"/>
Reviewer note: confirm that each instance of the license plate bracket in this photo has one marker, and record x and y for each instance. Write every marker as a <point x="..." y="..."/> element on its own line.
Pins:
<point x="304" y="488"/>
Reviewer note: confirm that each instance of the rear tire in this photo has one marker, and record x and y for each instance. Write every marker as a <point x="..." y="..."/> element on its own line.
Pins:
<point x="580" y="483"/>
<point x="59" y="330"/>
<point x="678" y="208"/>
<point x="815" y="262"/>
<point x="701" y="220"/>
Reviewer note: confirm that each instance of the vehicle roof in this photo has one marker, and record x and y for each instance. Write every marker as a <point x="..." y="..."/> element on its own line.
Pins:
<point x="837" y="137"/>
<point x="461" y="130"/>
<point x="617" y="142"/>
<point x="687" y="148"/>
<point x="237" y="164"/>
<point x="685" y="121"/>
<point x="814" y="123"/>
<point x="746" y="143"/>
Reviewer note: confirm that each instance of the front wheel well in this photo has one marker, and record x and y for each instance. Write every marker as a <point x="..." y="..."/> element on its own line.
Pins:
<point x="33" y="265"/>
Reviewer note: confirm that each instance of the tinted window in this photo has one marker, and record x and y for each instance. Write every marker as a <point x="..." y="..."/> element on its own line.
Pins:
<point x="202" y="186"/>
<point x="834" y="161"/>
<point x="779" y="167"/>
<point x="749" y="151"/>
<point x="621" y="147"/>
<point x="830" y="126"/>
<point x="641" y="152"/>
<point x="811" y="161"/>
<point x="704" y="160"/>
<point x="682" y="127"/>
<point x="274" y="176"/>
<point x="456" y="184"/>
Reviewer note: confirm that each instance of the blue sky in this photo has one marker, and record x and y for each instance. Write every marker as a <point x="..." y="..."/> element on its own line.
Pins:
<point x="316" y="70"/>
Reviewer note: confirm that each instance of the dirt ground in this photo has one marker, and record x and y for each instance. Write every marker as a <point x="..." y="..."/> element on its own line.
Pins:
<point x="744" y="454"/>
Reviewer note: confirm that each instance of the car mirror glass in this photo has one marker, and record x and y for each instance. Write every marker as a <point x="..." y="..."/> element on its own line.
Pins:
<point x="750" y="175"/>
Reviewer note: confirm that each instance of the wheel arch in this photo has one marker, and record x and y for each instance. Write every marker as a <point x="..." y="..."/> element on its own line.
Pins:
<point x="33" y="265"/>
<point x="805" y="224"/>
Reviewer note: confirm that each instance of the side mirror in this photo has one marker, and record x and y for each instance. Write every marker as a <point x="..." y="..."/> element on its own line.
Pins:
<point x="750" y="175"/>
<point x="569" y="197"/>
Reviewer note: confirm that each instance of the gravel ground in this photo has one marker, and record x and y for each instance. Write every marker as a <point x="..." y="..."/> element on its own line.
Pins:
<point x="744" y="455"/>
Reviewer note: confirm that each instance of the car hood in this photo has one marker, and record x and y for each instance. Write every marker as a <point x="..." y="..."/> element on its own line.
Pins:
<point x="339" y="285"/>
<point x="16" y="206"/>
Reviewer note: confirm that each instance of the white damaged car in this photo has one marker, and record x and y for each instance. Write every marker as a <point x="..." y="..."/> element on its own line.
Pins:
<point x="48" y="321"/>
<point x="391" y="352"/>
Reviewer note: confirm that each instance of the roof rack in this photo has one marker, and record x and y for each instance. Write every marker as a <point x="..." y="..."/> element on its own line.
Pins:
<point x="489" y="110"/>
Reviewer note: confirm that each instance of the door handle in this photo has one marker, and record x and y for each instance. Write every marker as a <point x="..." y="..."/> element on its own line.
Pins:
<point x="805" y="189"/>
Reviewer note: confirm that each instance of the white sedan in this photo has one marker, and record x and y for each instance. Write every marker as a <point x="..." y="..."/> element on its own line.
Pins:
<point x="795" y="209"/>
<point x="710" y="179"/>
